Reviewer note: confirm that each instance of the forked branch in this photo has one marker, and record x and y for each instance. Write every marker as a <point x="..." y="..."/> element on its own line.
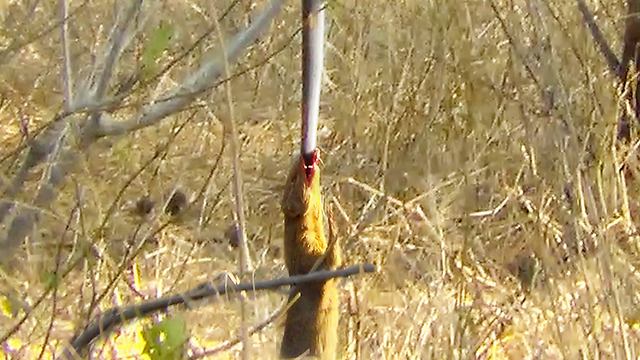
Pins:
<point x="194" y="85"/>
<point x="42" y="147"/>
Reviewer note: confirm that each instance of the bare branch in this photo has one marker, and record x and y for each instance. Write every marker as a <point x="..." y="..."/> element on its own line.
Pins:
<point x="16" y="45"/>
<point x="111" y="58"/>
<point x="40" y="149"/>
<point x="603" y="45"/>
<point x="230" y="129"/>
<point x="244" y="258"/>
<point x="515" y="46"/>
<point x="197" y="82"/>
<point x="52" y="138"/>
<point x="192" y="47"/>
<point x="61" y="160"/>
<point x="115" y="317"/>
<point x="67" y="80"/>
<point x="115" y="50"/>
<point x="630" y="38"/>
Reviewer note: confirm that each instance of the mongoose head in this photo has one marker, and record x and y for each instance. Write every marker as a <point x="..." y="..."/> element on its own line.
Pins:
<point x="302" y="189"/>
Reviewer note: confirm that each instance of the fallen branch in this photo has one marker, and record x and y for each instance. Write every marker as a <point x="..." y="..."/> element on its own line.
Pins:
<point x="117" y="316"/>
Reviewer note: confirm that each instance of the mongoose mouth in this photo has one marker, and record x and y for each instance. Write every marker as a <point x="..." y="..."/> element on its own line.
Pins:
<point x="309" y="163"/>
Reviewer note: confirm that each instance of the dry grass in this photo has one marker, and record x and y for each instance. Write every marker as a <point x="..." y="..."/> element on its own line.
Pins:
<point x="506" y="230"/>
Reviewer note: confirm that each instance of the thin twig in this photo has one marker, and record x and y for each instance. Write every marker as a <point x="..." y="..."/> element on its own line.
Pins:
<point x="36" y="303"/>
<point x="159" y="151"/>
<point x="244" y="263"/>
<point x="53" y="282"/>
<point x="227" y="345"/>
<point x="515" y="47"/>
<point x="16" y="45"/>
<point x="197" y="82"/>
<point x="115" y="103"/>
<point x="67" y="80"/>
<point x="192" y="47"/>
<point x="603" y="45"/>
<point x="111" y="59"/>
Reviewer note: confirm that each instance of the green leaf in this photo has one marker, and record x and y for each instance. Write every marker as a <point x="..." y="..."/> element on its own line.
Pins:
<point x="165" y="340"/>
<point x="157" y="44"/>
<point x="50" y="279"/>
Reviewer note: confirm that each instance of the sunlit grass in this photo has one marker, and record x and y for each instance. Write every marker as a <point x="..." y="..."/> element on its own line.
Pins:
<point x="506" y="229"/>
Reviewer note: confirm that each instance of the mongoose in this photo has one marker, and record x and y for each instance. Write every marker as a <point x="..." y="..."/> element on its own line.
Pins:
<point x="312" y="320"/>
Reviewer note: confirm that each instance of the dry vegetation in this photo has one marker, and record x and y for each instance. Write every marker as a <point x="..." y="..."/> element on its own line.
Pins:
<point x="469" y="151"/>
